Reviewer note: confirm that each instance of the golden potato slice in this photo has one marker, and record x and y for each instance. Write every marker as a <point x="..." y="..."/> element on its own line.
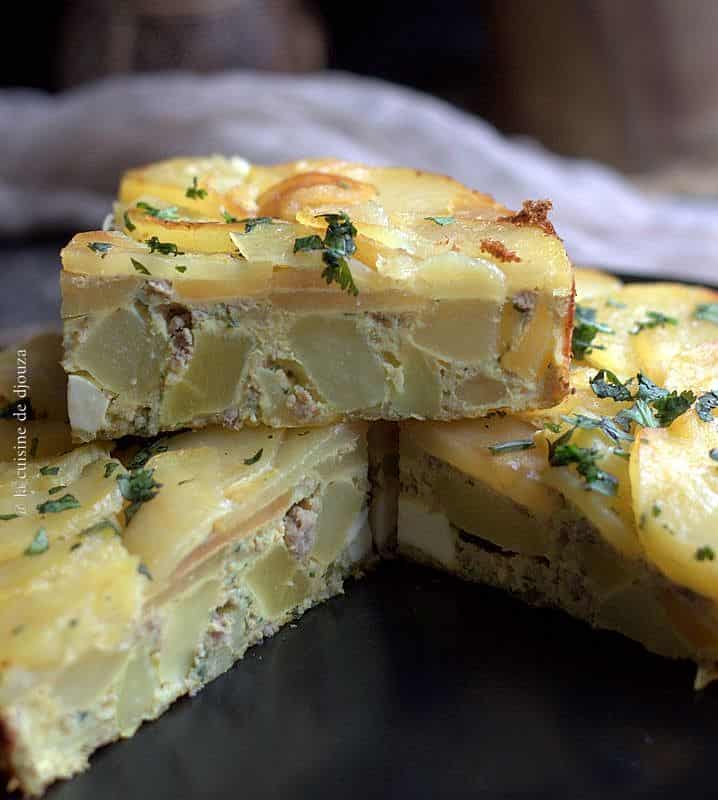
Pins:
<point x="675" y="500"/>
<point x="594" y="284"/>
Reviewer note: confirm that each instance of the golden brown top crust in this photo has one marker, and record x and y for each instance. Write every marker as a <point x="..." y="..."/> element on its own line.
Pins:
<point x="533" y="212"/>
<point x="498" y="250"/>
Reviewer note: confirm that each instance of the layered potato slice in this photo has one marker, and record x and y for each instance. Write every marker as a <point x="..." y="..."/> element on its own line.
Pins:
<point x="133" y="573"/>
<point x="605" y="505"/>
<point x="307" y="293"/>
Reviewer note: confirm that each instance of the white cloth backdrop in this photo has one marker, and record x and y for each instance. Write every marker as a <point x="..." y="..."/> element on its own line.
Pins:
<point x="62" y="156"/>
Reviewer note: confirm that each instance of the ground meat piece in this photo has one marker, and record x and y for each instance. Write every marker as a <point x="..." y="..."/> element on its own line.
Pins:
<point x="524" y="301"/>
<point x="300" y="524"/>
<point x="301" y="403"/>
<point x="179" y="329"/>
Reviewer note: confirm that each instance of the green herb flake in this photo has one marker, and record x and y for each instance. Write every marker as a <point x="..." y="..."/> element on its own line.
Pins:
<point x="611" y="303"/>
<point x="705" y="406"/>
<point x="138" y="487"/>
<point x="228" y="218"/>
<point x="142" y="569"/>
<point x="101" y="248"/>
<point x="441" y="220"/>
<point x="166" y="248"/>
<point x="65" y="503"/>
<point x="654" y="319"/>
<point x="640" y="413"/>
<point x="705" y="553"/>
<point x="337" y="246"/>
<point x="606" y="425"/>
<point x="169" y="213"/>
<point x="49" y="470"/>
<point x="129" y="224"/>
<point x="563" y="453"/>
<point x="56" y="489"/>
<point x="103" y="524"/>
<point x="512" y="446"/>
<point x="605" y="384"/>
<point x="586" y="327"/>
<point x="194" y="192"/>
<point x="139" y="266"/>
<point x="672" y="406"/>
<point x="656" y="510"/>
<point x="554" y="427"/>
<point x="713" y="453"/>
<point x="647" y="390"/>
<point x="144" y="454"/>
<point x="708" y="312"/>
<point x="181" y="268"/>
<point x="110" y="467"/>
<point x="39" y="544"/>
<point x="8" y="517"/>
<point x="253" y="460"/>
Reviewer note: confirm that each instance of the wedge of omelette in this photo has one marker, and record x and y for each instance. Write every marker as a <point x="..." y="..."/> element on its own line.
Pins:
<point x="309" y="293"/>
<point x="605" y="505"/>
<point x="132" y="574"/>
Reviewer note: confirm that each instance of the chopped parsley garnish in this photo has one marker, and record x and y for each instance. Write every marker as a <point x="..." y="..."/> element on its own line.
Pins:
<point x="707" y="312"/>
<point x="129" y="224"/>
<point x="605" y="384"/>
<point x="228" y="218"/>
<point x="705" y="553"/>
<point x="39" y="544"/>
<point x="441" y="220"/>
<point x="606" y="425"/>
<point x="138" y="487"/>
<point x="647" y="390"/>
<point x="49" y="470"/>
<point x="672" y="406"/>
<point x="712" y="453"/>
<point x="139" y="266"/>
<point x="8" y="517"/>
<point x="169" y="213"/>
<point x="705" y="405"/>
<point x="656" y="510"/>
<point x="337" y="246"/>
<point x="640" y="413"/>
<point x="512" y="446"/>
<point x="166" y="248"/>
<point x="562" y="453"/>
<point x="142" y="569"/>
<point x="615" y="303"/>
<point x="142" y="456"/>
<point x="181" y="268"/>
<point x="101" y="248"/>
<point x="654" y="319"/>
<point x="194" y="192"/>
<point x="584" y="332"/>
<point x="554" y="427"/>
<point x="110" y="467"/>
<point x="250" y="223"/>
<point x="56" y="489"/>
<point x="103" y="524"/>
<point x="253" y="459"/>
<point x="65" y="503"/>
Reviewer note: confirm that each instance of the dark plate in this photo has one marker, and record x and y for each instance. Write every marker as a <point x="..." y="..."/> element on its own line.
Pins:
<point x="415" y="685"/>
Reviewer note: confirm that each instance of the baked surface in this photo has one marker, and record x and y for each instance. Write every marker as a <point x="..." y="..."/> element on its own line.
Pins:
<point x="306" y="293"/>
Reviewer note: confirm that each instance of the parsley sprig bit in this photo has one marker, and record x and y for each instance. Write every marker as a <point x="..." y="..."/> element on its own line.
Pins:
<point x="654" y="319"/>
<point x="194" y="192"/>
<point x="169" y="213"/>
<point x="166" y="248"/>
<point x="705" y="405"/>
<point x="250" y="223"/>
<point x="39" y="545"/>
<point x="562" y="453"/>
<point x="64" y="503"/>
<point x="513" y="446"/>
<point x="337" y="246"/>
<point x="101" y="248"/>
<point x="138" y="487"/>
<point x="586" y="327"/>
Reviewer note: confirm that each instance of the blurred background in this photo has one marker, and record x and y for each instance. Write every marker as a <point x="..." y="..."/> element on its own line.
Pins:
<point x="609" y="108"/>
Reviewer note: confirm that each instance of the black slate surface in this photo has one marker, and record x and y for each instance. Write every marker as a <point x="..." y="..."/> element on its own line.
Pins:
<point x="412" y="685"/>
